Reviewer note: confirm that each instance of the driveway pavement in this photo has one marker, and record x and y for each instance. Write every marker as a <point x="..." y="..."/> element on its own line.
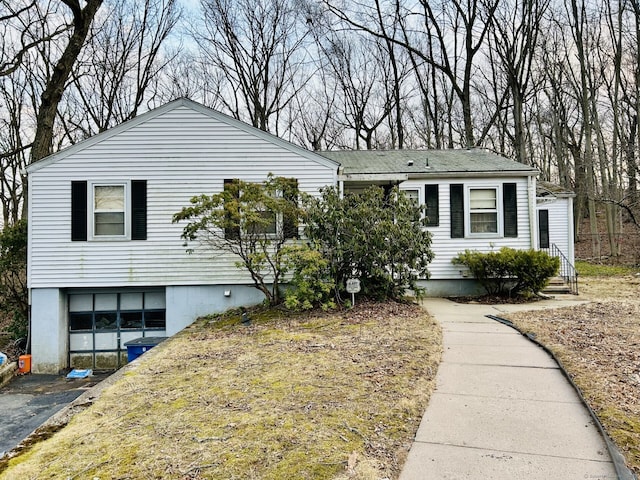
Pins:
<point x="28" y="401"/>
<point x="502" y="408"/>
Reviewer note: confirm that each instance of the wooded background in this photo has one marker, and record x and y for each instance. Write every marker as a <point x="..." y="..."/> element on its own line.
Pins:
<point x="548" y="83"/>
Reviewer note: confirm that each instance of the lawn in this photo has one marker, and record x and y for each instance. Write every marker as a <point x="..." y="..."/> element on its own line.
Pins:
<point x="320" y="396"/>
<point x="599" y="345"/>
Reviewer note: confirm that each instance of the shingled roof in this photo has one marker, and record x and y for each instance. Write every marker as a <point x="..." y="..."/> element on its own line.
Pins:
<point x="418" y="163"/>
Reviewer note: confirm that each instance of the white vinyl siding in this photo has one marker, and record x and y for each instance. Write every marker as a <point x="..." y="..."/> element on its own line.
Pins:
<point x="560" y="229"/>
<point x="445" y="247"/>
<point x="181" y="153"/>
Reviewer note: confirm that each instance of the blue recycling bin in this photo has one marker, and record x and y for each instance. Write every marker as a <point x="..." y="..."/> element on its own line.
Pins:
<point x="138" y="346"/>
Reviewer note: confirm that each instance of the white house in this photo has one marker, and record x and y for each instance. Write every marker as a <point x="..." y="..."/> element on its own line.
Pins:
<point x="107" y="265"/>
<point x="475" y="200"/>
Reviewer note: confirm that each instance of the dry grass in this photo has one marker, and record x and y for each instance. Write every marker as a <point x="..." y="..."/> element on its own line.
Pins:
<point x="333" y="396"/>
<point x="599" y="345"/>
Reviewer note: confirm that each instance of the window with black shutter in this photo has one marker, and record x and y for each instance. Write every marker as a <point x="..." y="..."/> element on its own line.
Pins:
<point x="456" y="203"/>
<point x="105" y="204"/>
<point x="510" y="209"/>
<point x="431" y="200"/>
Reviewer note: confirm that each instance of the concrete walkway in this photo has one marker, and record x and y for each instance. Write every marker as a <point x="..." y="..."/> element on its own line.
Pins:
<point x="502" y="408"/>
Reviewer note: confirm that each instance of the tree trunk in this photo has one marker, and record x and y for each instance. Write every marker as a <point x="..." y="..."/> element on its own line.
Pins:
<point x="52" y="94"/>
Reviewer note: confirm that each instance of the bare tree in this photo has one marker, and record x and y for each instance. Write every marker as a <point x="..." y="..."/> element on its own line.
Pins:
<point x="120" y="65"/>
<point x="14" y="156"/>
<point x="515" y="33"/>
<point x="23" y="27"/>
<point x="464" y="23"/>
<point x="312" y="115"/>
<point x="82" y="18"/>
<point x="354" y="63"/>
<point x="258" y="47"/>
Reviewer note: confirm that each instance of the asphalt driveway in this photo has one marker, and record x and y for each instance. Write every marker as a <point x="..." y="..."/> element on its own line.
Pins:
<point x="26" y="402"/>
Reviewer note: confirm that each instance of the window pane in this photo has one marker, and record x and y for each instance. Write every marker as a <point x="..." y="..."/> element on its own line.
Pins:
<point x="413" y="195"/>
<point x="81" y="303"/>
<point x="109" y="198"/>
<point x="106" y="301"/>
<point x="267" y="224"/>
<point x="131" y="301"/>
<point x="109" y="224"/>
<point x="80" y="321"/>
<point x="131" y="320"/>
<point x="106" y="320"/>
<point x="482" y="199"/>
<point x="155" y="319"/>
<point x="484" y="223"/>
<point x="153" y="300"/>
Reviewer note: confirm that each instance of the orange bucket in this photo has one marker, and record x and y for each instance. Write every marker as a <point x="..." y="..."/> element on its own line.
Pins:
<point x="24" y="364"/>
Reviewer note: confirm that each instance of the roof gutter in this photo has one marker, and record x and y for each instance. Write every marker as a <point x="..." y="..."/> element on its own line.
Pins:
<point x="401" y="177"/>
<point x="370" y="177"/>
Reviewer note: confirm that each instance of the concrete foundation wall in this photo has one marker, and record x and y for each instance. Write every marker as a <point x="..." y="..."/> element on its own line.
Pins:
<point x="49" y="332"/>
<point x="186" y="303"/>
<point x="452" y="287"/>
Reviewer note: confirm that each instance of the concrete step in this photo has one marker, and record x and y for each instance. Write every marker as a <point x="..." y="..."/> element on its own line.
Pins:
<point x="557" y="285"/>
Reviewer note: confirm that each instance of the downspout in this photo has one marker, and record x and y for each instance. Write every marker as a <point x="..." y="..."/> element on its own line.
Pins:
<point x="340" y="182"/>
<point x="570" y="227"/>
<point x="533" y="219"/>
<point x="29" y="217"/>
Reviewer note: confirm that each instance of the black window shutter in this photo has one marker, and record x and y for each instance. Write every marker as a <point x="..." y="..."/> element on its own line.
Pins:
<point x="138" y="209"/>
<point x="290" y="222"/>
<point x="78" y="211"/>
<point x="231" y="231"/>
<point x="543" y="228"/>
<point x="510" y="209"/>
<point x="456" y="201"/>
<point x="433" y="206"/>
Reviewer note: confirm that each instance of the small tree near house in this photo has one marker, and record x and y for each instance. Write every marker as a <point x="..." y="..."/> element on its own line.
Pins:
<point x="250" y="220"/>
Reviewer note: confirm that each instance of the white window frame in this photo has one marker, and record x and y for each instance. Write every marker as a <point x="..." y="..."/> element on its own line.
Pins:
<point x="497" y="210"/>
<point x="91" y="211"/>
<point x="420" y="198"/>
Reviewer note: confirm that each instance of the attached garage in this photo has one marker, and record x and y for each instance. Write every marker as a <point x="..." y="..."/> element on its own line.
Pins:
<point x="102" y="321"/>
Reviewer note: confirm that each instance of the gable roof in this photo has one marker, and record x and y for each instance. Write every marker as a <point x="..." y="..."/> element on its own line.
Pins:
<point x="180" y="103"/>
<point x="426" y="163"/>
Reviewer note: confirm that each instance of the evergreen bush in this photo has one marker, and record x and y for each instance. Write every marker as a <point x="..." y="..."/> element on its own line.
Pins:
<point x="509" y="271"/>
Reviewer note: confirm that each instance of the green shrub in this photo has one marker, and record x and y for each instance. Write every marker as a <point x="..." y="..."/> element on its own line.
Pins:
<point x="509" y="271"/>
<point x="376" y="236"/>
<point x="310" y="285"/>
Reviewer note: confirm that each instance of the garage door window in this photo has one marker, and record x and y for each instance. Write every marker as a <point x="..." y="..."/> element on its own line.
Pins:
<point x="113" y="311"/>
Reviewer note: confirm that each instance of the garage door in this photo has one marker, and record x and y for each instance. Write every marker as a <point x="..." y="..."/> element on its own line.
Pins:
<point x="100" y="323"/>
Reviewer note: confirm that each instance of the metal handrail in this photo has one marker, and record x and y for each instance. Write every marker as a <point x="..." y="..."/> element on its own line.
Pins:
<point x="567" y="271"/>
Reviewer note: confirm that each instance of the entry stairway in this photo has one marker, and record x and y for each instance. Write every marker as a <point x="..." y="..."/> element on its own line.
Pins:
<point x="567" y="279"/>
<point x="557" y="285"/>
